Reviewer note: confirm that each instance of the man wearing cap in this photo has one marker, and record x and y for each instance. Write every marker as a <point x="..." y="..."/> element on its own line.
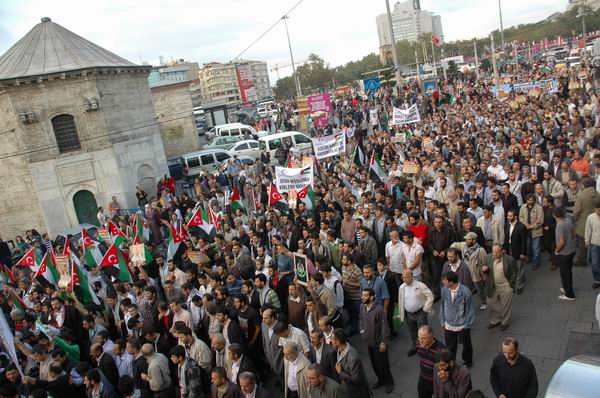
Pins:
<point x="502" y="277"/>
<point x="474" y="256"/>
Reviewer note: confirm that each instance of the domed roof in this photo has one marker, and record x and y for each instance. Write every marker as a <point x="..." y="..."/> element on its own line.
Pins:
<point x="49" y="48"/>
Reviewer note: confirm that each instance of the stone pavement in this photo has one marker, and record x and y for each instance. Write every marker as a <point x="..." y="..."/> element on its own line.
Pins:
<point x="549" y="331"/>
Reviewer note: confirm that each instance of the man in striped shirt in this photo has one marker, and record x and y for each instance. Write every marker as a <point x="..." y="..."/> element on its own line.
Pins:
<point x="427" y="347"/>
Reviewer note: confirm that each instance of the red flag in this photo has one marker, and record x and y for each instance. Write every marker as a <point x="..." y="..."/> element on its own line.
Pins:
<point x="86" y="240"/>
<point x="196" y="219"/>
<point x="274" y="195"/>
<point x="435" y="40"/>
<point x="28" y="260"/>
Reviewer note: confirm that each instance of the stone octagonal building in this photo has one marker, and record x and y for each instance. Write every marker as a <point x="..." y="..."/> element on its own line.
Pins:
<point x="77" y="126"/>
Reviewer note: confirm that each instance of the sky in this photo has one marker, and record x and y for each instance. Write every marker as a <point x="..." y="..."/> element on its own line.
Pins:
<point x="219" y="30"/>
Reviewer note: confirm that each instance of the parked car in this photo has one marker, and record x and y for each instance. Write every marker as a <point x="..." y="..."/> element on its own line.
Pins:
<point x="230" y="129"/>
<point x="246" y="148"/>
<point x="292" y="139"/>
<point x="175" y="167"/>
<point x="206" y="160"/>
<point x="223" y="142"/>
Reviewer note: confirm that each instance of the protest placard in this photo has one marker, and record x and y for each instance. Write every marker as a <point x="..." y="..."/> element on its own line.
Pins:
<point x="300" y="268"/>
<point x="330" y="145"/>
<point x="405" y="116"/>
<point x="293" y="178"/>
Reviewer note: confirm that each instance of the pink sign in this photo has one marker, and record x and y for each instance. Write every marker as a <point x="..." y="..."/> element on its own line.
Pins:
<point x="319" y="108"/>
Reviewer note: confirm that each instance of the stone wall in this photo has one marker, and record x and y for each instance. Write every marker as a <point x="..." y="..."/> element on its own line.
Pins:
<point x="174" y="109"/>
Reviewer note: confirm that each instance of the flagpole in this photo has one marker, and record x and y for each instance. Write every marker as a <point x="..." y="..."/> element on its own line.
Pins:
<point x="433" y="55"/>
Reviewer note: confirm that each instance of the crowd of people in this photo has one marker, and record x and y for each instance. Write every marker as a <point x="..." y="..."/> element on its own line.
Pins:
<point x="501" y="183"/>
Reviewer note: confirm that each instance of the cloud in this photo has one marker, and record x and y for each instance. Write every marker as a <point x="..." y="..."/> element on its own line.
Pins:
<point x="218" y="30"/>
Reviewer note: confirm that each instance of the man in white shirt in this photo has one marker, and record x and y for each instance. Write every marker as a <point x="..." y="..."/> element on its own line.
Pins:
<point x="295" y="366"/>
<point x="415" y="301"/>
<point x="412" y="254"/>
<point x="497" y="170"/>
<point x="393" y="254"/>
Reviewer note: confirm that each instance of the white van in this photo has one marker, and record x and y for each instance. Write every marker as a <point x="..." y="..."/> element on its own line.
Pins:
<point x="208" y="160"/>
<point x="230" y="130"/>
<point x="292" y="139"/>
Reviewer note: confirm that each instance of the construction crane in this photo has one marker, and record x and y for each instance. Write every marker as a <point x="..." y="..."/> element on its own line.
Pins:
<point x="283" y="66"/>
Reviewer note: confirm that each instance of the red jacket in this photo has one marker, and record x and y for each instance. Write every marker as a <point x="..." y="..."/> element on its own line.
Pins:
<point x="420" y="231"/>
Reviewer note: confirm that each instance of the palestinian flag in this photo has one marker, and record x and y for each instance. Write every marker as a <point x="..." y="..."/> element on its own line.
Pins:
<point x="288" y="162"/>
<point x="69" y="253"/>
<point x="136" y="240"/>
<point x="17" y="302"/>
<point x="277" y="200"/>
<point x="307" y="196"/>
<point x="375" y="170"/>
<point x="48" y="270"/>
<point x="216" y="220"/>
<point x="359" y="156"/>
<point x="255" y="201"/>
<point x="141" y="228"/>
<point x="175" y="239"/>
<point x="80" y="284"/>
<point x="115" y="257"/>
<point x="30" y="259"/>
<point x="7" y="275"/>
<point x="91" y="252"/>
<point x="201" y="219"/>
<point x="236" y="201"/>
<point x="71" y="350"/>
<point x="116" y="234"/>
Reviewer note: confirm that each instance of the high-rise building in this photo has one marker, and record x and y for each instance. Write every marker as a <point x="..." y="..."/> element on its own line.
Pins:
<point x="408" y="22"/>
<point x="592" y="4"/>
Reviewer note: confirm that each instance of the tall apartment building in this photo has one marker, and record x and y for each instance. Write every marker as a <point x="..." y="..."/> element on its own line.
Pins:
<point x="408" y="22"/>
<point x="219" y="82"/>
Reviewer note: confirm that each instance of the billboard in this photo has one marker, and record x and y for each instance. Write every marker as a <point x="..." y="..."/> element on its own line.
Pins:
<point x="245" y="83"/>
<point x="319" y="108"/>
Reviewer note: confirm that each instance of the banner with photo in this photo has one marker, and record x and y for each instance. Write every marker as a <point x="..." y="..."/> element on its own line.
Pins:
<point x="330" y="145"/>
<point x="296" y="178"/>
<point x="405" y="116"/>
<point x="301" y="268"/>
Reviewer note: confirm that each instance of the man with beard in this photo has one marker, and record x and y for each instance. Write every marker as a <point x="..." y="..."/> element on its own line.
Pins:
<point x="474" y="255"/>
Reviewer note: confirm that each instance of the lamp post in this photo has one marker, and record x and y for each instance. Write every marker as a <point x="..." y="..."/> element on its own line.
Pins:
<point x="296" y="78"/>
<point x="394" y="51"/>
<point x="501" y="24"/>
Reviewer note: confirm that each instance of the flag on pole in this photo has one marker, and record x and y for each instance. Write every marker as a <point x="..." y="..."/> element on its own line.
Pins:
<point x="288" y="162"/>
<point x="141" y="228"/>
<point x="7" y="275"/>
<point x="17" y="302"/>
<point x="201" y="219"/>
<point x="277" y="200"/>
<point x="116" y="234"/>
<point x="80" y="284"/>
<point x="9" y="343"/>
<point x="115" y="257"/>
<point x="30" y="259"/>
<point x="91" y="252"/>
<point x="216" y="220"/>
<point x="435" y="40"/>
<point x="255" y="201"/>
<point x="71" y="350"/>
<point x="236" y="201"/>
<point x="359" y="156"/>
<point x="375" y="170"/>
<point x="47" y="269"/>
<point x="307" y="196"/>
<point x="175" y="239"/>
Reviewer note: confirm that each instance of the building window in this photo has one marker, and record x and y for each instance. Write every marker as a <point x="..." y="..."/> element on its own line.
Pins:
<point x="65" y="132"/>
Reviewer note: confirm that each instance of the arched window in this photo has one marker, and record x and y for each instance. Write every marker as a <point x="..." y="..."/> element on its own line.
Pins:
<point x="65" y="132"/>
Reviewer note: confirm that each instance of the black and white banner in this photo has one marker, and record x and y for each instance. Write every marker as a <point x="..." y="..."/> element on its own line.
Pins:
<point x="330" y="145"/>
<point x="405" y="116"/>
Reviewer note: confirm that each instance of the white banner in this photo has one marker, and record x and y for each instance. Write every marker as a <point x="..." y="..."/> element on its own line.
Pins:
<point x="330" y="145"/>
<point x="7" y="340"/>
<point x="404" y="116"/>
<point x="287" y="179"/>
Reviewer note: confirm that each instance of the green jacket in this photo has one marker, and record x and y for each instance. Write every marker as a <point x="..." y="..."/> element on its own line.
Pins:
<point x="510" y="272"/>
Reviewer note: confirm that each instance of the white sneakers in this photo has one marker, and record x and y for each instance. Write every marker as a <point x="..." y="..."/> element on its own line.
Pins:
<point x="564" y="297"/>
<point x="483" y="307"/>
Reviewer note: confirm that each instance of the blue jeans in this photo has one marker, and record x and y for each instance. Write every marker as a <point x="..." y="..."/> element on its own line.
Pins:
<point x="595" y="260"/>
<point x="534" y="250"/>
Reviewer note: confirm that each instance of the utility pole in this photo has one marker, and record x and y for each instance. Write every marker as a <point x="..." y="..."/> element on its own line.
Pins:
<point x="393" y="40"/>
<point x="501" y="24"/>
<point x="494" y="66"/>
<point x="516" y="53"/>
<point x="442" y="62"/>
<point x="582" y="15"/>
<point x="296" y="78"/>
<point x="476" y="59"/>
<point x="433" y="55"/>
<point x="417" y="63"/>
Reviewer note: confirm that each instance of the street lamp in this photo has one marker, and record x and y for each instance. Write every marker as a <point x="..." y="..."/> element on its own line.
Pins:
<point x="295" y="75"/>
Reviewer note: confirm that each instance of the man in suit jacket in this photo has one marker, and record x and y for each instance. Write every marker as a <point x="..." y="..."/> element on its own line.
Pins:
<point x="71" y="319"/>
<point x="220" y="383"/>
<point x="349" y="367"/>
<point x="238" y="363"/>
<point x="248" y="385"/>
<point x="515" y="245"/>
<point x="323" y="354"/>
<point x="105" y="363"/>
<point x="501" y="272"/>
<point x="273" y="351"/>
<point x="295" y="366"/>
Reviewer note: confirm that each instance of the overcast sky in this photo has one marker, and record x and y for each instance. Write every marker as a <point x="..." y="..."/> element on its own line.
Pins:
<point x="218" y="30"/>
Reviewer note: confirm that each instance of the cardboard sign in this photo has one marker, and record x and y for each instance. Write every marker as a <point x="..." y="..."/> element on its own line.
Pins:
<point x="410" y="168"/>
<point x="63" y="268"/>
<point x="104" y="235"/>
<point x="196" y="257"/>
<point x="301" y="268"/>
<point x="136" y="253"/>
